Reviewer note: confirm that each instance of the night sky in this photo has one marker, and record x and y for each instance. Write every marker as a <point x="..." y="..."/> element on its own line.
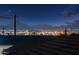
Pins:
<point x="37" y="14"/>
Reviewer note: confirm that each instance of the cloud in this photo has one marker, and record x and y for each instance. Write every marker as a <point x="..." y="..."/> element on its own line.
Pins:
<point x="71" y="11"/>
<point x="73" y="25"/>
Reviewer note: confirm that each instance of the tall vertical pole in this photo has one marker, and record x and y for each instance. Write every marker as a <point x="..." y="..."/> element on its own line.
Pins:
<point x="65" y="31"/>
<point x="15" y="25"/>
<point x="3" y="30"/>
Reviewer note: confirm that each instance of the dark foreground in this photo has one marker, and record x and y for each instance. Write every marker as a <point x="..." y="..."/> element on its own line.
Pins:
<point x="45" y="45"/>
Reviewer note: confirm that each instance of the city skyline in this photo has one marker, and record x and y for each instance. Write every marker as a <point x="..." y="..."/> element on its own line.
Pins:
<point x="37" y="17"/>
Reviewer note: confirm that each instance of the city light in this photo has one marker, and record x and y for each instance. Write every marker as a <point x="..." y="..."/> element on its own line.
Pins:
<point x="27" y="32"/>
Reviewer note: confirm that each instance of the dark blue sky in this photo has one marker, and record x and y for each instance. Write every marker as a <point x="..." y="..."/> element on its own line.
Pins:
<point x="36" y="14"/>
